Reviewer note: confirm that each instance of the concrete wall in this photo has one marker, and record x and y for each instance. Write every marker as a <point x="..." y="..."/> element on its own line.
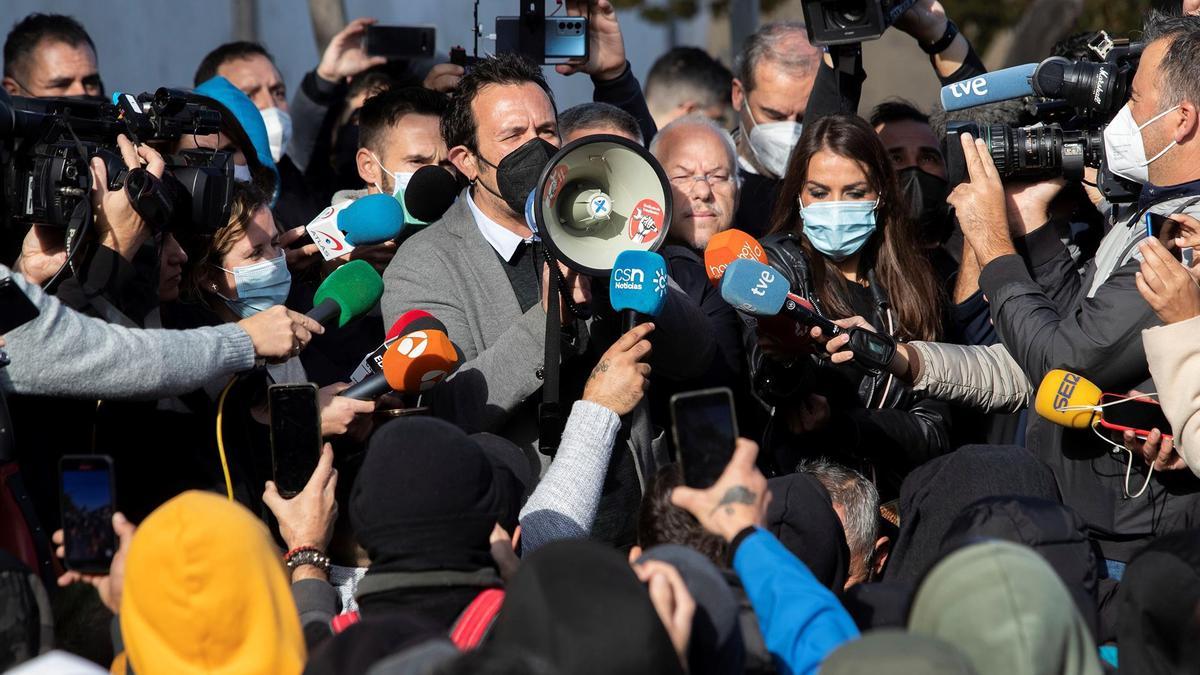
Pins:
<point x="144" y="44"/>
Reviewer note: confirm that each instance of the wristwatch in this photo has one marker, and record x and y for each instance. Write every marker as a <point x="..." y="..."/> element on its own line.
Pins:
<point x="306" y="555"/>
<point x="943" y="43"/>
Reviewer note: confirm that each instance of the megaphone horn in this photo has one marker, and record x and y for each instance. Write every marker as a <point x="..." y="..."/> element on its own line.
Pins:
<point x="597" y="197"/>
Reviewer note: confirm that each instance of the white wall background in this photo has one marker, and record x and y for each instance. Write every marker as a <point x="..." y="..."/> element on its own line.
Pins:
<point x="145" y="44"/>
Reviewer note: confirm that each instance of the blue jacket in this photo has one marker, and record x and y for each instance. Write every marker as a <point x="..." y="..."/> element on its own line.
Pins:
<point x="802" y="622"/>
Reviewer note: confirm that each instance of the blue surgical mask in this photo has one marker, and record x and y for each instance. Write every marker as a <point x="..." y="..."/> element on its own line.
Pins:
<point x="838" y="229"/>
<point x="259" y="286"/>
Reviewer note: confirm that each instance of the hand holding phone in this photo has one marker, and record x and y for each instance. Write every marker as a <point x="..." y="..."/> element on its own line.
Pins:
<point x="705" y="431"/>
<point x="88" y="498"/>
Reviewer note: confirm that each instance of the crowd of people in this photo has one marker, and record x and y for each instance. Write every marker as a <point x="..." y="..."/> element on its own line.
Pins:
<point x="526" y="512"/>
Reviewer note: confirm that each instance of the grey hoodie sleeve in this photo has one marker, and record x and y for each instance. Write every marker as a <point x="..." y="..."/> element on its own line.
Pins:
<point x="309" y="107"/>
<point x="563" y="506"/>
<point x="64" y="353"/>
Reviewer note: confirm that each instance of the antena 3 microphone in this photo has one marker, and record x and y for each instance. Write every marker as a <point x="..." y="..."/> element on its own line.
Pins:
<point x="638" y="286"/>
<point x="1001" y="85"/>
<point x="413" y="363"/>
<point x="346" y="294"/>
<point x="725" y="247"/>
<point x="1067" y="399"/>
<point x="413" y="319"/>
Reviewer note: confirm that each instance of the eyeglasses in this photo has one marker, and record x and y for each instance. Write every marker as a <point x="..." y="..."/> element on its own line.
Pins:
<point x="713" y="180"/>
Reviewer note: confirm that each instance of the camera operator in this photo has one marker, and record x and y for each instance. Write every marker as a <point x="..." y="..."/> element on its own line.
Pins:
<point x="50" y="55"/>
<point x="842" y="230"/>
<point x="1154" y="141"/>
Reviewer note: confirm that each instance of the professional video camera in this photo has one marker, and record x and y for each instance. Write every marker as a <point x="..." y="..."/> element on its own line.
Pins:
<point x="46" y="145"/>
<point x="1075" y="101"/>
<point x="840" y="22"/>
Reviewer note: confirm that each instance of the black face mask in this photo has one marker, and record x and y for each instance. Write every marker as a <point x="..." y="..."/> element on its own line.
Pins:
<point x="517" y="174"/>
<point x="927" y="203"/>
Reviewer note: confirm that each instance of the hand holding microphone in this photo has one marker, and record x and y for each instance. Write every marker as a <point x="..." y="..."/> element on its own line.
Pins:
<point x="339" y="413"/>
<point x="621" y="377"/>
<point x="278" y="333"/>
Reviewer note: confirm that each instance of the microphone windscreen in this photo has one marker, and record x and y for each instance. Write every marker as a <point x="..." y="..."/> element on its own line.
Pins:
<point x="355" y="287"/>
<point x="638" y="282"/>
<point x="401" y="325"/>
<point x="754" y="288"/>
<point x="725" y="247"/>
<point x="419" y="360"/>
<point x="430" y="191"/>
<point x="1000" y="85"/>
<point x="371" y="219"/>
<point x="1060" y="393"/>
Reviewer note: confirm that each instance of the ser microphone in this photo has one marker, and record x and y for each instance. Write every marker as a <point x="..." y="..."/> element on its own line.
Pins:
<point x="1067" y="399"/>
<point x="346" y="294"/>
<point x="1001" y="85"/>
<point x="637" y="286"/>
<point x="725" y="247"/>
<point x="412" y="364"/>
<point x="371" y="219"/>
<point x="758" y="289"/>
<point x="430" y="192"/>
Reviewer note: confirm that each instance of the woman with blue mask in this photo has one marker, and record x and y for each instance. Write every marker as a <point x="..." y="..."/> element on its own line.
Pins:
<point x="842" y="222"/>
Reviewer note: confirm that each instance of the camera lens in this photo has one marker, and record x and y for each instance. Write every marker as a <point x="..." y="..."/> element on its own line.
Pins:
<point x="1025" y="151"/>
<point x="845" y="13"/>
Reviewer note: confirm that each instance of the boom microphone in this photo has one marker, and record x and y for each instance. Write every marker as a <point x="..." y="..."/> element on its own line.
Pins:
<point x="346" y="294"/>
<point x="414" y="363"/>
<point x="371" y="219"/>
<point x="1001" y="85"/>
<point x="1067" y="399"/>
<point x="430" y="192"/>
<point x="725" y="247"/>
<point x="637" y="286"/>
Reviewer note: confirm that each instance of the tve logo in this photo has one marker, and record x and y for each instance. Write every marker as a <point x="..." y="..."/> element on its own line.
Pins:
<point x="975" y="87"/>
<point x="765" y="279"/>
<point x="629" y="278"/>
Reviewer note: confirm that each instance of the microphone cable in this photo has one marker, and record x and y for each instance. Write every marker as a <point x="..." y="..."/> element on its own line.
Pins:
<point x="221" y="437"/>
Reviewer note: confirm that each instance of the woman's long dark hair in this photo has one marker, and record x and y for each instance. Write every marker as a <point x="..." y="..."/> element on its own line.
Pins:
<point x="893" y="251"/>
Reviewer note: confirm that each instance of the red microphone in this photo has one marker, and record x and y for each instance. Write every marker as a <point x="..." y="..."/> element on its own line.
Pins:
<point x="413" y="319"/>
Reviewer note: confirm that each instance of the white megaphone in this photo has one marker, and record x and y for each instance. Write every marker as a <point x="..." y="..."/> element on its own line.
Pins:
<point x="598" y="196"/>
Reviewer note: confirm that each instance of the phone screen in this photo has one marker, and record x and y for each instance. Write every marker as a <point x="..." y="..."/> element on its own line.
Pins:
<point x="401" y="42"/>
<point x="295" y="435"/>
<point x="87" y="511"/>
<point x="1140" y="416"/>
<point x="16" y="308"/>
<point x="705" y="431"/>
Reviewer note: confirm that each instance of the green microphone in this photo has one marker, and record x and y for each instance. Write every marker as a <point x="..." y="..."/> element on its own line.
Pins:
<point x="351" y="291"/>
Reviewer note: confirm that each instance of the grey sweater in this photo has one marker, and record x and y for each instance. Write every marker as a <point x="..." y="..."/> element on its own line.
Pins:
<point x="64" y="353"/>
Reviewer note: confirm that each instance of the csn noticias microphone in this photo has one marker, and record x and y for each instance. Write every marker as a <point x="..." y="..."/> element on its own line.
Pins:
<point x="413" y="363"/>
<point x="346" y="294"/>
<point x="430" y="192"/>
<point x="758" y="289"/>
<point x="637" y="286"/>
<point x="1001" y="85"/>
<point x="409" y="321"/>
<point x="725" y="247"/>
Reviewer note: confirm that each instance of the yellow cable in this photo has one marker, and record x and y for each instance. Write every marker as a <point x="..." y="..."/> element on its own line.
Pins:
<point x="221" y="437"/>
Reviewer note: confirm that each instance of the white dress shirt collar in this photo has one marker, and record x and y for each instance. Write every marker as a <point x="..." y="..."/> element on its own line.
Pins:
<point x="505" y="241"/>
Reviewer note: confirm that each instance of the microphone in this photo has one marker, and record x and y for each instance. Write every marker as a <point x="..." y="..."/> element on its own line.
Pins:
<point x="1067" y="399"/>
<point x="408" y="322"/>
<point x="758" y="289"/>
<point x="430" y="192"/>
<point x="1001" y="85"/>
<point x="725" y="247"/>
<point x="371" y="219"/>
<point x="346" y="294"/>
<point x="414" y="363"/>
<point x="637" y="286"/>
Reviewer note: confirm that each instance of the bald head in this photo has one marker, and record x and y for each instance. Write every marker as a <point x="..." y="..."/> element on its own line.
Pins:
<point x="700" y="160"/>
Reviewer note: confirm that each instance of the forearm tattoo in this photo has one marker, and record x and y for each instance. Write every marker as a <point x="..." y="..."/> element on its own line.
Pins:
<point x="737" y="494"/>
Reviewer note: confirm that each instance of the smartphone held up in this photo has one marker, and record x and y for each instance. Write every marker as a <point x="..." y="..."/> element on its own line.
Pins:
<point x="88" y="499"/>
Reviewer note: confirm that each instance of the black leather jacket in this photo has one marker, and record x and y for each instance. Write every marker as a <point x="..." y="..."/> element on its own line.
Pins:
<point x="877" y="423"/>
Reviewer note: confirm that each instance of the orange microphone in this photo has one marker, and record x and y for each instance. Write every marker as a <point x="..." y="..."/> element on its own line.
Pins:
<point x="412" y="364"/>
<point x="725" y="247"/>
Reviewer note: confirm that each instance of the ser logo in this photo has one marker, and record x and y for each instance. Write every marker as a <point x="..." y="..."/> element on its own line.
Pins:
<point x="1066" y="388"/>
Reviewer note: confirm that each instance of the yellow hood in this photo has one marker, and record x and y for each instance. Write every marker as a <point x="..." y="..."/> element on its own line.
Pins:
<point x="206" y="592"/>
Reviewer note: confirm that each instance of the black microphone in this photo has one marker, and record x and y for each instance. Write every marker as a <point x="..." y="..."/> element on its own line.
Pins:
<point x="430" y="192"/>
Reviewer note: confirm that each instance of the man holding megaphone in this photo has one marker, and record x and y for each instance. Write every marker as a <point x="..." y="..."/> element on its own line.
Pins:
<point x="481" y="270"/>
